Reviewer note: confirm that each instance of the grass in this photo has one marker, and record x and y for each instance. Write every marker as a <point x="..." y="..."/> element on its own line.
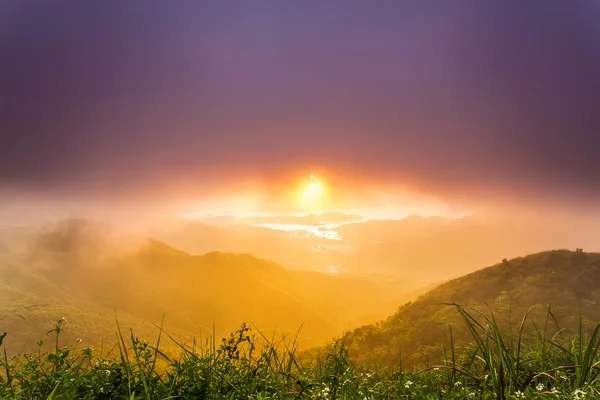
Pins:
<point x="248" y="365"/>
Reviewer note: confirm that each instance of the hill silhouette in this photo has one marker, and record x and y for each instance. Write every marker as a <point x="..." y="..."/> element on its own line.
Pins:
<point x="198" y="238"/>
<point x="567" y="282"/>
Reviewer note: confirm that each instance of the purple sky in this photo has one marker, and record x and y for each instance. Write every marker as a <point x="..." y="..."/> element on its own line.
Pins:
<point x="475" y="98"/>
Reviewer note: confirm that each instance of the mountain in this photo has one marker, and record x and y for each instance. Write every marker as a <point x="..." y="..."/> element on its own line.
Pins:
<point x="567" y="281"/>
<point x="84" y="271"/>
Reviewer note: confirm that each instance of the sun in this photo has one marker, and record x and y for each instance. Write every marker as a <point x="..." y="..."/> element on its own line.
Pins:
<point x="312" y="192"/>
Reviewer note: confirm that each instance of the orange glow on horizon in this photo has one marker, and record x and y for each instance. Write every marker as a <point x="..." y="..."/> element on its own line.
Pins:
<point x="315" y="191"/>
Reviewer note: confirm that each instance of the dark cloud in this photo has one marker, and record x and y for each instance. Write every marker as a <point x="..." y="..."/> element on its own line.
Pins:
<point x="464" y="96"/>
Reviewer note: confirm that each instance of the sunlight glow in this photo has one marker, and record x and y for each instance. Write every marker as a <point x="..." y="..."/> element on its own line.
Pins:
<point x="312" y="193"/>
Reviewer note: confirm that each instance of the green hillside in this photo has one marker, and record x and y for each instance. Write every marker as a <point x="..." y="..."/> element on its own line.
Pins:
<point x="567" y="281"/>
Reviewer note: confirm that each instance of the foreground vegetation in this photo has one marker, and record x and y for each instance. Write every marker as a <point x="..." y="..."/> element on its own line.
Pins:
<point x="248" y="365"/>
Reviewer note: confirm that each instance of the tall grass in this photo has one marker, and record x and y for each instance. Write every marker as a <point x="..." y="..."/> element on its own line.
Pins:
<point x="497" y="364"/>
<point x="511" y="363"/>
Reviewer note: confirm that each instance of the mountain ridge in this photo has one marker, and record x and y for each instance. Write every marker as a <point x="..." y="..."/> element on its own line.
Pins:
<point x="567" y="281"/>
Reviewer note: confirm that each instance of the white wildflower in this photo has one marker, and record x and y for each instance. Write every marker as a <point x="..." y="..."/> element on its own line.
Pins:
<point x="540" y="387"/>
<point x="578" y="394"/>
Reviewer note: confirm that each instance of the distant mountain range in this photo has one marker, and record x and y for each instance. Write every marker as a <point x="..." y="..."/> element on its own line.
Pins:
<point x="294" y="250"/>
<point x="414" y="249"/>
<point x="84" y="271"/>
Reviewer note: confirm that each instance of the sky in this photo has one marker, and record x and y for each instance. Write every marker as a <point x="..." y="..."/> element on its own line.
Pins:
<point x="450" y="105"/>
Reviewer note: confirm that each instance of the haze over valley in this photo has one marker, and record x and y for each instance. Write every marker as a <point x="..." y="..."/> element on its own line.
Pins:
<point x="201" y="277"/>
